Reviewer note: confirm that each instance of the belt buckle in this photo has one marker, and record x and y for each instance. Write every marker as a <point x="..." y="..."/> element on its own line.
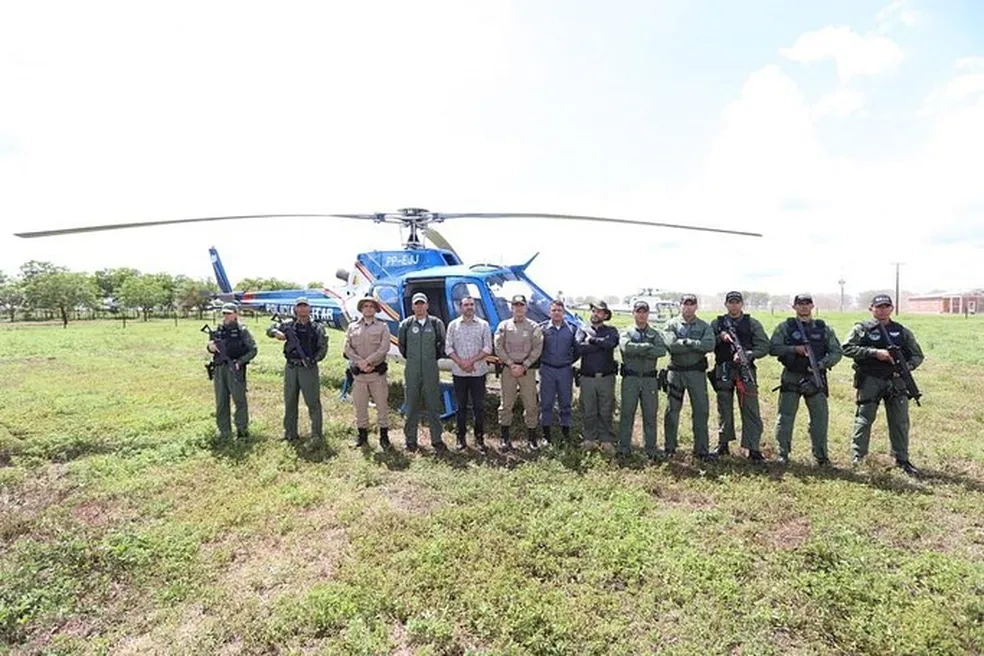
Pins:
<point x="599" y="375"/>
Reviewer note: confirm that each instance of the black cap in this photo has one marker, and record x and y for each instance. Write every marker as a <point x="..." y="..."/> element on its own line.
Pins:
<point x="640" y="305"/>
<point x="688" y="297"/>
<point x="881" y="299"/>
<point x="802" y="298"/>
<point x="519" y="299"/>
<point x="733" y="296"/>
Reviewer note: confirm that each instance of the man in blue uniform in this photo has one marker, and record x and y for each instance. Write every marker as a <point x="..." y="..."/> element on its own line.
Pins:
<point x="560" y="352"/>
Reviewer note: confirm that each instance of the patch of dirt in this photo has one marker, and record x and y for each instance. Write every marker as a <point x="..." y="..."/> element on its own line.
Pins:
<point x="265" y="568"/>
<point x="93" y="513"/>
<point x="21" y="504"/>
<point x="405" y="496"/>
<point x="787" y="534"/>
<point x="398" y="634"/>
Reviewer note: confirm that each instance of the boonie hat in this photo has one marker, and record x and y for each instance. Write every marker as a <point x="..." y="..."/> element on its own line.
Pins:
<point x="601" y="305"/>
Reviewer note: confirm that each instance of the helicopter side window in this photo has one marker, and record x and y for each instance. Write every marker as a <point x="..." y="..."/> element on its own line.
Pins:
<point x="459" y="291"/>
<point x="387" y="294"/>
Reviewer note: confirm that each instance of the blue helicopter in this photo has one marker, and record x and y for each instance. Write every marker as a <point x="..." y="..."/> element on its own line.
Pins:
<point x="392" y="277"/>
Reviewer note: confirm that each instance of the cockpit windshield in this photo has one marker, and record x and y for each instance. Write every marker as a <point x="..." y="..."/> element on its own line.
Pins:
<point x="504" y="285"/>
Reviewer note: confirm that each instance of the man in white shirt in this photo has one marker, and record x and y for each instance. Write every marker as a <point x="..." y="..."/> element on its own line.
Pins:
<point x="469" y="342"/>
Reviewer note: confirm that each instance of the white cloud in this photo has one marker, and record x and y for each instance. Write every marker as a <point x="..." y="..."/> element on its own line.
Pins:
<point x="871" y="54"/>
<point x="842" y="102"/>
<point x="898" y="8"/>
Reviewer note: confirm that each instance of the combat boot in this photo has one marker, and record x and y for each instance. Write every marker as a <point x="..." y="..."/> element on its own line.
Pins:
<point x="756" y="456"/>
<point x="723" y="448"/>
<point x="565" y="431"/>
<point x="506" y="442"/>
<point x="907" y="467"/>
<point x="384" y="438"/>
<point x="480" y="443"/>
<point x="461" y="444"/>
<point x="532" y="439"/>
<point x="546" y="436"/>
<point x="363" y="437"/>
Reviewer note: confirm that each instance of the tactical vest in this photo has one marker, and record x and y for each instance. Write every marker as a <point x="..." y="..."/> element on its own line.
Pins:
<point x="722" y="350"/>
<point x="873" y="338"/>
<point x="232" y="337"/>
<point x="817" y="336"/>
<point x="308" y="339"/>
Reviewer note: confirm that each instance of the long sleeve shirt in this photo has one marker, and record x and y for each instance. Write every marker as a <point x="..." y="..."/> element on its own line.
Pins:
<point x="598" y="350"/>
<point x="688" y="343"/>
<point x="560" y="347"/>
<point x="641" y="347"/>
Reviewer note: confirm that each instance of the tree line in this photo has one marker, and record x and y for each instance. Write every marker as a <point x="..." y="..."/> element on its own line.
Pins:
<point x="43" y="290"/>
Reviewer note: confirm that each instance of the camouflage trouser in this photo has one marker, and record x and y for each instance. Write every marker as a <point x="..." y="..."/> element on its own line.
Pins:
<point x="871" y="391"/>
<point x="694" y="383"/>
<point x="792" y="388"/>
<point x="638" y="390"/>
<point x="748" y="405"/>
<point x="228" y="384"/>
<point x="299" y="380"/>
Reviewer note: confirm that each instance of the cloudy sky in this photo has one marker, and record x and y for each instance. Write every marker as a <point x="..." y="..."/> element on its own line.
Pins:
<point x="826" y="126"/>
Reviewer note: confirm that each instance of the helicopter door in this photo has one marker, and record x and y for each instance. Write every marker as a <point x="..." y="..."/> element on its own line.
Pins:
<point x="458" y="288"/>
<point x="437" y="303"/>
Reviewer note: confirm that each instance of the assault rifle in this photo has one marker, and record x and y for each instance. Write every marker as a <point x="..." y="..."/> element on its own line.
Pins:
<point x="293" y="342"/>
<point x="901" y="366"/>
<point x="745" y="381"/>
<point x="818" y="379"/>
<point x="221" y="357"/>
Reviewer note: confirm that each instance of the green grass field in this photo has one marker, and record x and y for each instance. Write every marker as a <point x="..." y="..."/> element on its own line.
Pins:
<point x="127" y="528"/>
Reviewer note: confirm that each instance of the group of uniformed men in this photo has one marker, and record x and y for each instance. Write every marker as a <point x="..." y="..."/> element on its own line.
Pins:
<point x="553" y="347"/>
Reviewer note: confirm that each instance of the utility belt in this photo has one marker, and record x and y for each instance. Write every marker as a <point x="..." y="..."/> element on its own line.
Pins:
<point x="598" y="375"/>
<point x="700" y="366"/>
<point x="895" y="388"/>
<point x="380" y="368"/>
<point x="625" y="371"/>
<point x="292" y="363"/>
<point x="556" y="366"/>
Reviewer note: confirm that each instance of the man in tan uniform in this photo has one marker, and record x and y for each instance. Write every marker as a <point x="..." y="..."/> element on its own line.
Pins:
<point x="367" y="341"/>
<point x="518" y="345"/>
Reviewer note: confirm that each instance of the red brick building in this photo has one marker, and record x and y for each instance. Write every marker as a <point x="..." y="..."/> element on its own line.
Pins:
<point x="970" y="302"/>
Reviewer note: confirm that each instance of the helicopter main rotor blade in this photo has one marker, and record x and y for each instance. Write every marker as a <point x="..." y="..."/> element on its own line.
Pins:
<point x="536" y="215"/>
<point x="438" y="240"/>
<point x="144" y="224"/>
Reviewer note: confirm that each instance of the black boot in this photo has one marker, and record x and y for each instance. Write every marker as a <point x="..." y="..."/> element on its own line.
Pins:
<point x="756" y="456"/>
<point x="480" y="443"/>
<point x="384" y="438"/>
<point x="363" y="437"/>
<point x="546" y="436"/>
<point x="566" y="432"/>
<point x="723" y="449"/>
<point x="532" y="439"/>
<point x="506" y="442"/>
<point x="907" y="467"/>
<point x="462" y="444"/>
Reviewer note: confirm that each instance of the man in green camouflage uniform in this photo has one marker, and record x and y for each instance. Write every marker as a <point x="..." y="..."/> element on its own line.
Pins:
<point x="790" y="345"/>
<point x="640" y="345"/>
<point x="303" y="350"/>
<point x="726" y="376"/>
<point x="234" y="340"/>
<point x="689" y="340"/>
<point x="875" y="379"/>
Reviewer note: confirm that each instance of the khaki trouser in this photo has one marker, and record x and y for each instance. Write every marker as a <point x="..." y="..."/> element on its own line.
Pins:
<point x="376" y="386"/>
<point x="526" y="385"/>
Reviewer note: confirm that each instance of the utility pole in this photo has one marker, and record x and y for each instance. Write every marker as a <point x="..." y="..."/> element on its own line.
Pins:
<point x="841" y="283"/>
<point x="898" y="299"/>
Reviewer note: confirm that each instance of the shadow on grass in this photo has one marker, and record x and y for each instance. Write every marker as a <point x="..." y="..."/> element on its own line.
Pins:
<point x="234" y="449"/>
<point x="313" y="450"/>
